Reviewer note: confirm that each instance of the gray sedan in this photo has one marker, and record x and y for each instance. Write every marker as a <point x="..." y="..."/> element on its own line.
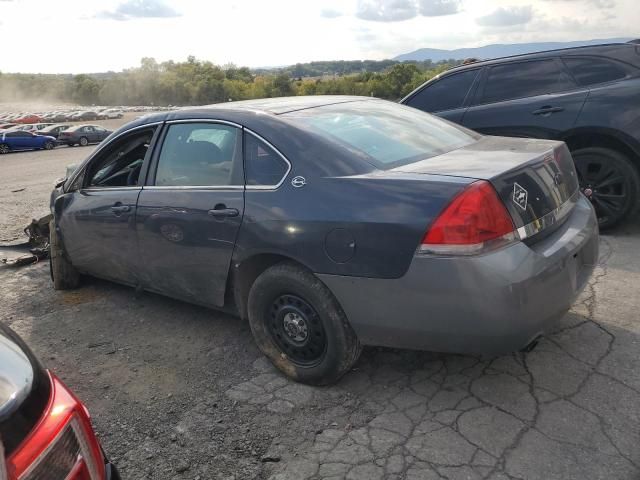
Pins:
<point x="331" y="223"/>
<point x="83" y="135"/>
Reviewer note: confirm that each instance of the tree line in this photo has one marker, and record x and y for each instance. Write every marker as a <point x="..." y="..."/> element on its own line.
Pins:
<point x="196" y="82"/>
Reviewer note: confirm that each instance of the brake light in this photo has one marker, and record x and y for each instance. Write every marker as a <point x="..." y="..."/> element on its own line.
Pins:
<point x="474" y="222"/>
<point x="62" y="445"/>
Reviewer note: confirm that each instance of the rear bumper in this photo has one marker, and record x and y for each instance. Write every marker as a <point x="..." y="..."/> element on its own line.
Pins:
<point x="489" y="304"/>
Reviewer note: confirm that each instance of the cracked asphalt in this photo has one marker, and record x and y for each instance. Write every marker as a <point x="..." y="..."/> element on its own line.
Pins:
<point x="181" y="392"/>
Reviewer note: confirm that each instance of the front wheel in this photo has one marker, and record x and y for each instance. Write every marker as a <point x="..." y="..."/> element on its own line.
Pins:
<point x="610" y="181"/>
<point x="299" y="325"/>
<point x="63" y="273"/>
<point x="84" y="141"/>
<point x="49" y="146"/>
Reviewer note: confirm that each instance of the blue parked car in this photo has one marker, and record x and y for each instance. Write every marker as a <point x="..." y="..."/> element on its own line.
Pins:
<point x="21" y="140"/>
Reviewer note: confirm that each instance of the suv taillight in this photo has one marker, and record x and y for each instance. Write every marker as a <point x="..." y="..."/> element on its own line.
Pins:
<point x="474" y="222"/>
<point x="62" y="444"/>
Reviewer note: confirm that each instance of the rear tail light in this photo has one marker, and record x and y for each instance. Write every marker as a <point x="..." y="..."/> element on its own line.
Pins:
<point x="62" y="445"/>
<point x="474" y="222"/>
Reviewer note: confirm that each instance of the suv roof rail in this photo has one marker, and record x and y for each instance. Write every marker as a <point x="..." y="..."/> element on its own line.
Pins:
<point x="466" y="63"/>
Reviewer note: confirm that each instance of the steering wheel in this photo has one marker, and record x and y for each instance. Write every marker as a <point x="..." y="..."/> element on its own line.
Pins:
<point x="134" y="173"/>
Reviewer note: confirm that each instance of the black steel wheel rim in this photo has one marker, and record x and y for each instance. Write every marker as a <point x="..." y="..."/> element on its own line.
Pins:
<point x="297" y="330"/>
<point x="604" y="185"/>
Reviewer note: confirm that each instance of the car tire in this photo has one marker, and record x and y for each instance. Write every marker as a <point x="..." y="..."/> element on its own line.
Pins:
<point x="84" y="141"/>
<point x="49" y="146"/>
<point x="299" y="325"/>
<point x="4" y="148"/>
<point x="610" y="181"/>
<point x="63" y="273"/>
<point x="70" y="144"/>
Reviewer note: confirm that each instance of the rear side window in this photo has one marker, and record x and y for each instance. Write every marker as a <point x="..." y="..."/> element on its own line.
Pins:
<point x="592" y="71"/>
<point x="388" y="134"/>
<point x="263" y="165"/>
<point x="200" y="154"/>
<point x="524" y="79"/>
<point x="447" y="93"/>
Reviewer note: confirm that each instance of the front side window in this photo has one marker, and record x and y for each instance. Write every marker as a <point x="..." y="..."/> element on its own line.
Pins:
<point x="263" y="165"/>
<point x="524" y="79"/>
<point x="447" y="93"/>
<point x="388" y="134"/>
<point x="200" y="154"/>
<point x="592" y="71"/>
<point x="119" y="165"/>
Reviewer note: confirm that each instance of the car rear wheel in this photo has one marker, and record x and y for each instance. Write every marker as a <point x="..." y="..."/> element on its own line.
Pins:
<point x="4" y="148"/>
<point x="299" y="325"/>
<point x="84" y="141"/>
<point x="49" y="146"/>
<point x="63" y="273"/>
<point x="610" y="181"/>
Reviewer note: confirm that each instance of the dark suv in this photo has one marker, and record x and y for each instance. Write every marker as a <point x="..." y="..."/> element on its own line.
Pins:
<point x="588" y="97"/>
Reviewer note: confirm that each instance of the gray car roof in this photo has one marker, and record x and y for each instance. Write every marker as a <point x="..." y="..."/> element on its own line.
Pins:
<point x="281" y="105"/>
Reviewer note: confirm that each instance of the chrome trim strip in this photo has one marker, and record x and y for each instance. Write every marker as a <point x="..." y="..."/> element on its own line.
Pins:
<point x="108" y="189"/>
<point x="193" y="187"/>
<point x="549" y="219"/>
<point x="284" y="177"/>
<point x="102" y="145"/>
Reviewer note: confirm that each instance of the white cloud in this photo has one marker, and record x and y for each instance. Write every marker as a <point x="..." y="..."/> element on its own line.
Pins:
<point x="282" y="32"/>
<point x="132" y="9"/>
<point x="507" y="17"/>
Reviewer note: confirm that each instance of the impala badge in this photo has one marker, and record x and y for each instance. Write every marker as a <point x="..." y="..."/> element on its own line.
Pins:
<point x="520" y="196"/>
<point x="298" y="182"/>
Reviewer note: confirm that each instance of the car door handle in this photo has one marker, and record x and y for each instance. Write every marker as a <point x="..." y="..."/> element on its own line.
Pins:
<point x="222" y="211"/>
<point x="120" y="208"/>
<point x="546" y="110"/>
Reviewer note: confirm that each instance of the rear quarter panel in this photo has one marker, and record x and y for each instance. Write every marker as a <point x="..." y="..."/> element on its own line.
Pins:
<point x="367" y="225"/>
<point x="615" y="107"/>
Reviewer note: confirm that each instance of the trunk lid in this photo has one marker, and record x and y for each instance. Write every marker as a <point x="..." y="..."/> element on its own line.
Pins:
<point x="536" y="179"/>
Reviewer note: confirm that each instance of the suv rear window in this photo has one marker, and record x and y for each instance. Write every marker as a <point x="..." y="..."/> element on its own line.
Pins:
<point x="388" y="134"/>
<point x="592" y="71"/>
<point x="524" y="79"/>
<point x="446" y="93"/>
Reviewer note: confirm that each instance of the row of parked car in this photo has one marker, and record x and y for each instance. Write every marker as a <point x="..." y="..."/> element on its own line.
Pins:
<point x="57" y="116"/>
<point x="45" y="136"/>
<point x="66" y="114"/>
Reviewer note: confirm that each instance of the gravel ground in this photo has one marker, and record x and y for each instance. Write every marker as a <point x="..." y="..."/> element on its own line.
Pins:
<point x="178" y="391"/>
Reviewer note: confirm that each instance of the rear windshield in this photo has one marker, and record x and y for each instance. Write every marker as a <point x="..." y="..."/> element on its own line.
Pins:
<point x="389" y="134"/>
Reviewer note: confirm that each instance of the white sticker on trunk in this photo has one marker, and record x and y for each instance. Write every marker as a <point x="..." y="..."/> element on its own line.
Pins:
<point x="520" y="196"/>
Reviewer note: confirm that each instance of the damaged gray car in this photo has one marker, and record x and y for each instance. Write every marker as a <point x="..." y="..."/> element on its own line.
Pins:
<point x="331" y="223"/>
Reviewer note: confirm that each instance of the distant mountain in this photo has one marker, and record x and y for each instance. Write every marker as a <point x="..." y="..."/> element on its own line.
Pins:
<point x="497" y="50"/>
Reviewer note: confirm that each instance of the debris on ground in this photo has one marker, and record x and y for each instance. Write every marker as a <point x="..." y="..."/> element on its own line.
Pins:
<point x="36" y="248"/>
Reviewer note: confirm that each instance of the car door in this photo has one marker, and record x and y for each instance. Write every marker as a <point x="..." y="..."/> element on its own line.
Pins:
<point x="535" y="98"/>
<point x="24" y="140"/>
<point x="100" y="134"/>
<point x="90" y="133"/>
<point x="97" y="214"/>
<point x="190" y="210"/>
<point x="447" y="96"/>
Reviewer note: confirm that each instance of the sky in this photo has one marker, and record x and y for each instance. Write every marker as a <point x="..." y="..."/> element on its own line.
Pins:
<point x="76" y="36"/>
